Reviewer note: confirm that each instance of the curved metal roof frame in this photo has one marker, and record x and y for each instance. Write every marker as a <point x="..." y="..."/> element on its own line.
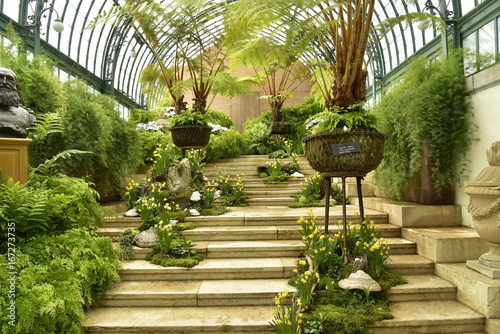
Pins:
<point x="102" y="55"/>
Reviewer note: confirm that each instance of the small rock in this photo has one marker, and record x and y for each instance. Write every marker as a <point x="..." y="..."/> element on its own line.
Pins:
<point x="359" y="280"/>
<point x="194" y="212"/>
<point x="132" y="213"/>
<point x="297" y="174"/>
<point x="146" y="239"/>
<point x="195" y="196"/>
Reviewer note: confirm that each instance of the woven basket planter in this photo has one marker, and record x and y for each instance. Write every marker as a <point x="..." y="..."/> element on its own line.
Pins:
<point x="191" y="136"/>
<point x="320" y="151"/>
<point x="280" y="128"/>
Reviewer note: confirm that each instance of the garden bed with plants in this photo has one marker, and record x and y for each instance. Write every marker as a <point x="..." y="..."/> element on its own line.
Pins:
<point x="319" y="304"/>
<point x="163" y="204"/>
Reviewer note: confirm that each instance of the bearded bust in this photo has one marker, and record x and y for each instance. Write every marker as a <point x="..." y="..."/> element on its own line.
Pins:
<point x="14" y="118"/>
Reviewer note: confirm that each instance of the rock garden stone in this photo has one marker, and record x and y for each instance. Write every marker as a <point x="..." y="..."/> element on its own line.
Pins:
<point x="146" y="239"/>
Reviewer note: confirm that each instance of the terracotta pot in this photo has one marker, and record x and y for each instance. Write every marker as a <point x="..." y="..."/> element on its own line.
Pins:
<point x="190" y="136"/>
<point x="421" y="188"/>
<point x="357" y="151"/>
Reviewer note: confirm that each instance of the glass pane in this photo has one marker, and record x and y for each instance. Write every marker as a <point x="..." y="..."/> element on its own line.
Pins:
<point x="467" y="6"/>
<point x="470" y="58"/>
<point x="486" y="54"/>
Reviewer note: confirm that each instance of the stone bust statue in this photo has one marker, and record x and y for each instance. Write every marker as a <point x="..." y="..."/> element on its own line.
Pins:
<point x="14" y="118"/>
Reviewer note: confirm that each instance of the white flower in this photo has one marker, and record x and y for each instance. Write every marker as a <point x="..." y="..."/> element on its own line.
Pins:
<point x="217" y="194"/>
<point x="170" y="111"/>
<point x="217" y="128"/>
<point x="297" y="174"/>
<point x="174" y="222"/>
<point x="151" y="126"/>
<point x="196" y="196"/>
<point x="312" y="123"/>
<point x="345" y="128"/>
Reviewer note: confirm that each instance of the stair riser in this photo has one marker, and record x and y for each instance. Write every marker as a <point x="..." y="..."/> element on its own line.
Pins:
<point x="269" y="235"/>
<point x="188" y="300"/>
<point x="410" y="271"/>
<point x="447" y="327"/>
<point x="206" y="275"/>
<point x="183" y="330"/>
<point x="239" y="254"/>
<point x="422" y="296"/>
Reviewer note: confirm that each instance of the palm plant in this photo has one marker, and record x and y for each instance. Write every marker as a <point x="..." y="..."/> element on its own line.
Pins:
<point x="276" y="66"/>
<point x="189" y="47"/>
<point x="339" y="30"/>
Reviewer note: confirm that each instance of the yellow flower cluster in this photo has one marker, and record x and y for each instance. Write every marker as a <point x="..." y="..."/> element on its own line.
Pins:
<point x="280" y="297"/>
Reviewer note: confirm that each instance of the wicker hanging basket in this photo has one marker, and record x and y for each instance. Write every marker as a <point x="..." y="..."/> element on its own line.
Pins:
<point x="322" y="151"/>
<point x="191" y="136"/>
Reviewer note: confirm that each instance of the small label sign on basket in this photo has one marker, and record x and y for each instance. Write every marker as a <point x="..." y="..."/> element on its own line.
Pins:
<point x="344" y="148"/>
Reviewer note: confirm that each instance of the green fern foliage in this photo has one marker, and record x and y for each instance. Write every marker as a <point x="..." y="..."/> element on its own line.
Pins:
<point x="54" y="283"/>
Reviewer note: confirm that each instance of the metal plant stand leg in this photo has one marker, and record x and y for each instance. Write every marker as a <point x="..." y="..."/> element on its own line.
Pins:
<point x="360" y="197"/>
<point x="343" y="176"/>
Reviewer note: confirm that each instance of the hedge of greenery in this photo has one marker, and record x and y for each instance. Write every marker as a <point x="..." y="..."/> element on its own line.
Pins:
<point x="429" y="108"/>
<point x="81" y="119"/>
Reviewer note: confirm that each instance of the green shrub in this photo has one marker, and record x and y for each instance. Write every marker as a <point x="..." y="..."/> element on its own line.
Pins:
<point x="82" y="208"/>
<point x="258" y="135"/>
<point x="219" y="118"/>
<point x="38" y="86"/>
<point x="59" y="277"/>
<point x="429" y="108"/>
<point x="143" y="116"/>
<point x="149" y="141"/>
<point x="297" y="115"/>
<point x="51" y="204"/>
<point x="227" y="144"/>
<point x="91" y="123"/>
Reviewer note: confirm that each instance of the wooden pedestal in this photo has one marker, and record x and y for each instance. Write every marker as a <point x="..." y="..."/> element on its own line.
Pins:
<point x="14" y="158"/>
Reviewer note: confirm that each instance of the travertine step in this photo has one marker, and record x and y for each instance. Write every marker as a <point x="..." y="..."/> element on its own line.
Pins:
<point x="211" y="269"/>
<point x="410" y="265"/>
<point x="180" y="320"/>
<point x="270" y="200"/>
<point x="201" y="293"/>
<point x="266" y="248"/>
<point x="430" y="317"/>
<point x="273" y="232"/>
<point x="422" y="287"/>
<point x="248" y="292"/>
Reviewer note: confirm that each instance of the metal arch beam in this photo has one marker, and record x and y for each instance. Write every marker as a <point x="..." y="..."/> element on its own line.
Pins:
<point x="67" y="64"/>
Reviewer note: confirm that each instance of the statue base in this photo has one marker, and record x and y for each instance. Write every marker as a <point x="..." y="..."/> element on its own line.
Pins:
<point x="481" y="268"/>
<point x="14" y="158"/>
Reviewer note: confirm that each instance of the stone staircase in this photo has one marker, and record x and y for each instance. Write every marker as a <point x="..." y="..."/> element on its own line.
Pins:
<point x="250" y="253"/>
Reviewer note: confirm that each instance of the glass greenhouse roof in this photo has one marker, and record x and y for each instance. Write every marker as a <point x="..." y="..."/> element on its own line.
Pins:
<point x="111" y="57"/>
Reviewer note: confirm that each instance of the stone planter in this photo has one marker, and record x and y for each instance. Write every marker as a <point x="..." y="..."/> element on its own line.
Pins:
<point x="191" y="136"/>
<point x="484" y="193"/>
<point x="357" y="151"/>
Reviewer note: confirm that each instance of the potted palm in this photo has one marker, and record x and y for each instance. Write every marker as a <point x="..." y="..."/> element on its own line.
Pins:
<point x="277" y="70"/>
<point x="190" y="51"/>
<point x="340" y="31"/>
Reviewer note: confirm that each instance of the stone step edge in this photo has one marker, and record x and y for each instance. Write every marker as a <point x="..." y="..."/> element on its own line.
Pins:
<point x="158" y="291"/>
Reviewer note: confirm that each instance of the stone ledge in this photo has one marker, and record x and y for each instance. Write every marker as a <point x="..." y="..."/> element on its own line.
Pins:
<point x="484" y="270"/>
<point x="406" y="214"/>
<point x="447" y="244"/>
<point x="473" y="289"/>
